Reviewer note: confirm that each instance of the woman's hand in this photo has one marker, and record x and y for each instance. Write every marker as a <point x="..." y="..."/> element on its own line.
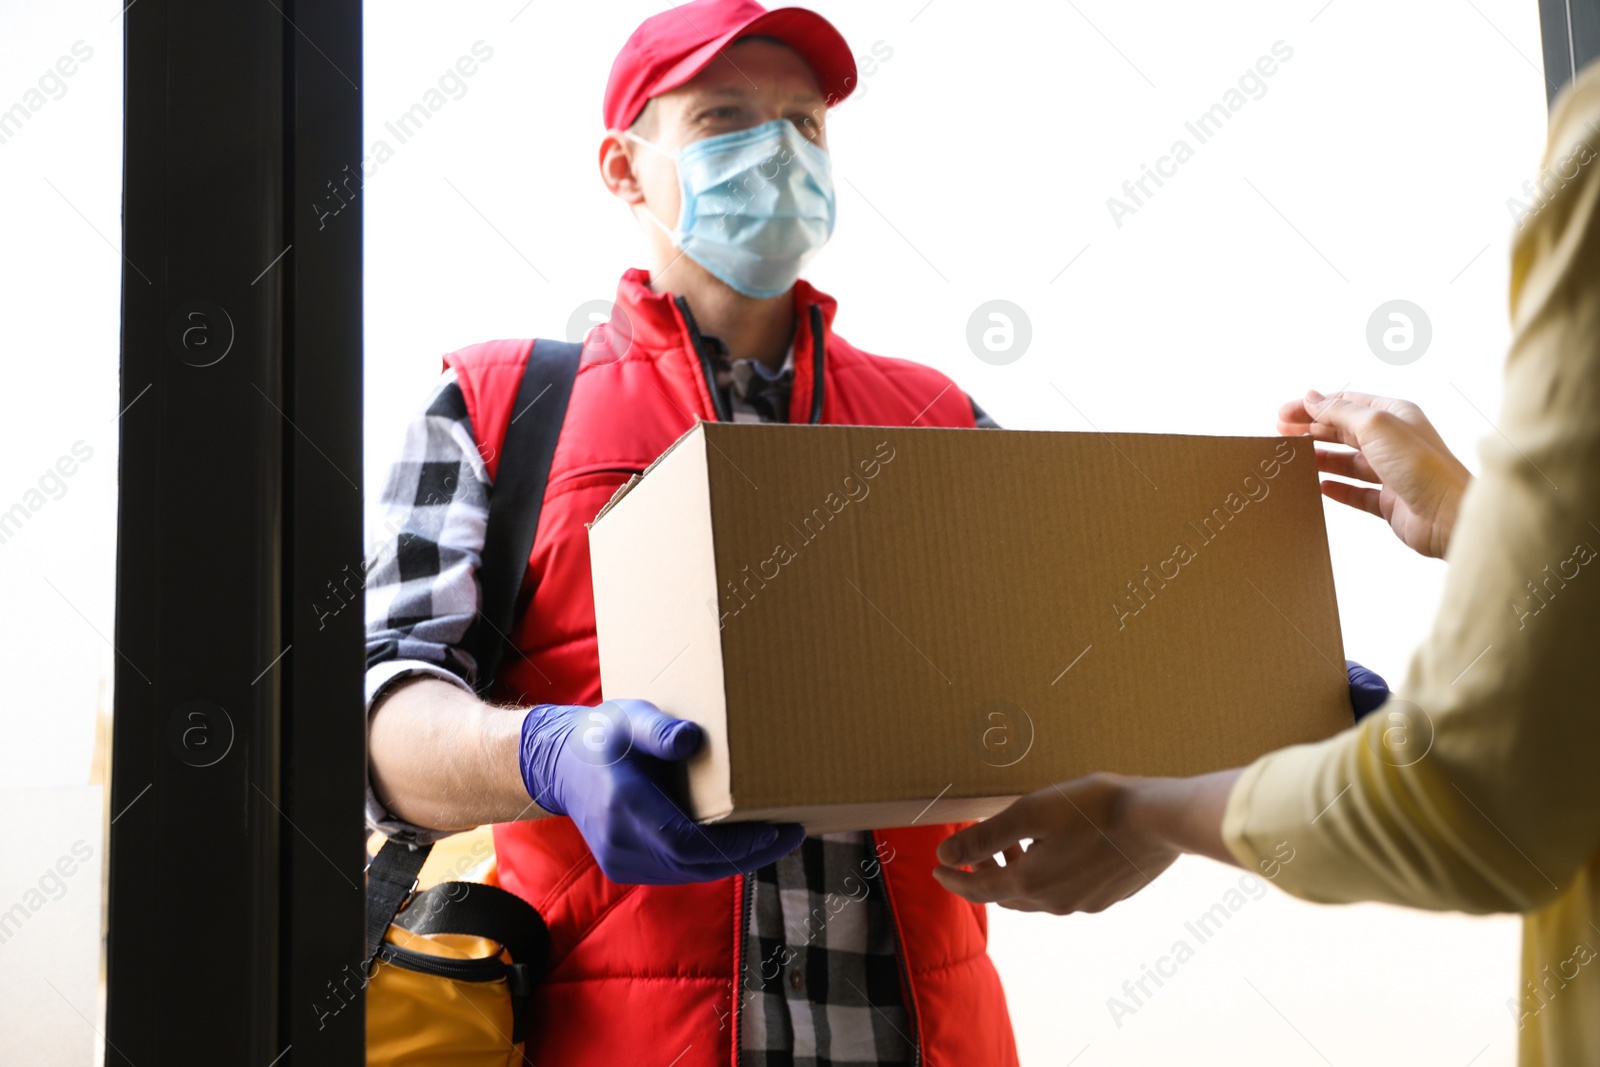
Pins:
<point x="1420" y="481"/>
<point x="1094" y="841"/>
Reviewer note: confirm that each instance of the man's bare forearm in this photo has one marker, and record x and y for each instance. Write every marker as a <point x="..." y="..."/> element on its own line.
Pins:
<point x="441" y="758"/>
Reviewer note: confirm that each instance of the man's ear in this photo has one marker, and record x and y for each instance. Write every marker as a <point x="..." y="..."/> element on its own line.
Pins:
<point x="616" y="168"/>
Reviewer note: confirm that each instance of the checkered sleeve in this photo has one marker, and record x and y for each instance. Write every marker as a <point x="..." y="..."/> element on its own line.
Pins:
<point x="422" y="592"/>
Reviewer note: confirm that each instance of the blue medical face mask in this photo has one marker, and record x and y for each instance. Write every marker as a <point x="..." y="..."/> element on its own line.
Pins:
<point x="756" y="205"/>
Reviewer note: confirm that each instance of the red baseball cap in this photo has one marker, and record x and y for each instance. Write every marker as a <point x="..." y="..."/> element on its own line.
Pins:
<point x="671" y="48"/>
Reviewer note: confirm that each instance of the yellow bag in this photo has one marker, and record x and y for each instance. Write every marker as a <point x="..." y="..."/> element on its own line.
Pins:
<point x="451" y="977"/>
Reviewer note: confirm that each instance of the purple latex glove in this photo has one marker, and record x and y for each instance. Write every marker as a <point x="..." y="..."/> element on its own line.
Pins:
<point x="603" y="766"/>
<point x="1367" y="690"/>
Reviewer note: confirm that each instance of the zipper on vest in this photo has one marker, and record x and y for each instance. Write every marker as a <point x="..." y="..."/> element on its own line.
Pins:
<point x="747" y="909"/>
<point x="708" y="369"/>
<point x="818" y="348"/>
<point x="900" y="959"/>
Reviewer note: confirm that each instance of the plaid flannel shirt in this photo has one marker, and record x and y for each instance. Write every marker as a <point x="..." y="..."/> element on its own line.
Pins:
<point x="820" y="981"/>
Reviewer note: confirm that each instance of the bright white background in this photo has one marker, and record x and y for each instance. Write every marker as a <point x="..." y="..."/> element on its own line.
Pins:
<point x="975" y="164"/>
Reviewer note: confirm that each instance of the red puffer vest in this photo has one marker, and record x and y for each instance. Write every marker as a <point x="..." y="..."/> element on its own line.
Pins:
<point x="647" y="973"/>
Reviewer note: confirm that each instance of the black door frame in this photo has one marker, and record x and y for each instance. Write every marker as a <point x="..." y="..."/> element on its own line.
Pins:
<point x="1570" y="30"/>
<point x="237" y="847"/>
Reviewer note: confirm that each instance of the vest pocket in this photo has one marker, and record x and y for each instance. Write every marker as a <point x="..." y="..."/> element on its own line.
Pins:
<point x="590" y="477"/>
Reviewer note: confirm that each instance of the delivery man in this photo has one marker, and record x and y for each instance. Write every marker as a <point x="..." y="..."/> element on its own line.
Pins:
<point x="672" y="943"/>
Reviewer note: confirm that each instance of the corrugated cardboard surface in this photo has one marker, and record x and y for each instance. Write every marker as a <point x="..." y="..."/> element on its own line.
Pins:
<point x="870" y="618"/>
<point x="653" y="606"/>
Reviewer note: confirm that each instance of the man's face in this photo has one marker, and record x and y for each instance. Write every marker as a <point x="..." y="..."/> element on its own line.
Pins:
<point x="752" y="82"/>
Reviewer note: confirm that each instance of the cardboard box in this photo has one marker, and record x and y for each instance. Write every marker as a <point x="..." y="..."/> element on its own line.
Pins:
<point x="882" y="626"/>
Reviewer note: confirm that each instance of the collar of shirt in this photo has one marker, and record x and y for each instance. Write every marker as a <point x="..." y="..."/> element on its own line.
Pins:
<point x="755" y="392"/>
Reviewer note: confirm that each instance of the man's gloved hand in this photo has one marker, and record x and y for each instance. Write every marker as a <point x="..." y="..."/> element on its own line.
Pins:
<point x="603" y="767"/>
<point x="1367" y="690"/>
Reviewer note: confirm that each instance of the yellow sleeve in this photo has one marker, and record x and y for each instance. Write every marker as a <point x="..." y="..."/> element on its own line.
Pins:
<point x="1480" y="790"/>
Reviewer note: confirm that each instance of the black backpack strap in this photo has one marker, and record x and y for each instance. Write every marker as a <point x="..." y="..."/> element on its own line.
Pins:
<point x="390" y="878"/>
<point x="488" y="911"/>
<point x="518" y="493"/>
<point x="481" y="911"/>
